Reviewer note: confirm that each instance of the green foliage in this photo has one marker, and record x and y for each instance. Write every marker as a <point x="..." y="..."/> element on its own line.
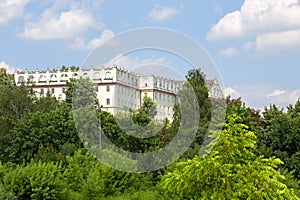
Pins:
<point x="138" y="195"/>
<point x="90" y="179"/>
<point x="5" y="195"/>
<point x="15" y="102"/>
<point x="37" y="181"/>
<point x="279" y="135"/>
<point x="145" y="113"/>
<point x="5" y="78"/>
<point x="196" y="79"/>
<point x="249" y="117"/>
<point x="43" y="132"/>
<point x="230" y="171"/>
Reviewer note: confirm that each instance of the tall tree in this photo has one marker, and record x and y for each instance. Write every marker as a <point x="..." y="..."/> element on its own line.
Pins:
<point x="15" y="102"/>
<point x="230" y="171"/>
<point x="279" y="135"/>
<point x="249" y="116"/>
<point x="39" y="130"/>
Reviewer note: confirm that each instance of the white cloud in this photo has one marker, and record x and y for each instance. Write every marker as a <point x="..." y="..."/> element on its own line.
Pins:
<point x="80" y="43"/>
<point x="285" y="98"/>
<point x="69" y="24"/>
<point x="260" y="96"/>
<point x="278" y="41"/>
<point x="232" y="92"/>
<point x="272" y="23"/>
<point x="9" y="69"/>
<point x="228" y="52"/>
<point x="10" y="9"/>
<point x="276" y="92"/>
<point x="159" y="13"/>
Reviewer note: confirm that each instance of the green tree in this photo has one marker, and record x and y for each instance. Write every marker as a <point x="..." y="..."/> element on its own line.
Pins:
<point x="40" y="131"/>
<point x="5" y="78"/>
<point x="145" y="113"/>
<point x="37" y="181"/>
<point x="193" y="110"/>
<point x="230" y="171"/>
<point x="249" y="116"/>
<point x="196" y="80"/>
<point x="279" y="135"/>
<point x="90" y="179"/>
<point x="15" y="102"/>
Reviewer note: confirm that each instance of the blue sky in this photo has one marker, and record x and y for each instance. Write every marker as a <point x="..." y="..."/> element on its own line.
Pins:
<point x="255" y="44"/>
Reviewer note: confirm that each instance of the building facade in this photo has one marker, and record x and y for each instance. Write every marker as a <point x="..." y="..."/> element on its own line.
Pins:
<point x="116" y="88"/>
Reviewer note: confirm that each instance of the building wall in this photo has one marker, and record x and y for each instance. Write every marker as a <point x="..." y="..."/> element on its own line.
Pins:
<point x="116" y="88"/>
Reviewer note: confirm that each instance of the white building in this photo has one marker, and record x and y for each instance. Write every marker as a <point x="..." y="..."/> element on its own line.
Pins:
<point x="116" y="87"/>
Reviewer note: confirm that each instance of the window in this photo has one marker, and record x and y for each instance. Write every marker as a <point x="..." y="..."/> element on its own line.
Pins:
<point x="42" y="91"/>
<point x="52" y="90"/>
<point x="21" y="79"/>
<point x="63" y="90"/>
<point x="108" y="76"/>
<point x="146" y="85"/>
<point x="107" y="88"/>
<point x="107" y="101"/>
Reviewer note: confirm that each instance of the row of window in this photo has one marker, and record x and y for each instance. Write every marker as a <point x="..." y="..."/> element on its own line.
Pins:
<point x="122" y="103"/>
<point x="42" y="91"/>
<point x="163" y="97"/>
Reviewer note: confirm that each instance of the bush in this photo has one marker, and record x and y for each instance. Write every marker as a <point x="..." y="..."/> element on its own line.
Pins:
<point x="37" y="181"/>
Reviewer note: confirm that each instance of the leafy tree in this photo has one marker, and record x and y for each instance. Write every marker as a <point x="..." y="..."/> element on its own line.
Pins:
<point x="249" y="116"/>
<point x="5" y="78"/>
<point x="39" y="131"/>
<point x="45" y="104"/>
<point x="145" y="113"/>
<point x="279" y="135"/>
<point x="230" y="171"/>
<point x="193" y="110"/>
<point x="90" y="179"/>
<point x="196" y="79"/>
<point x="15" y="102"/>
<point x="37" y="181"/>
<point x="70" y="90"/>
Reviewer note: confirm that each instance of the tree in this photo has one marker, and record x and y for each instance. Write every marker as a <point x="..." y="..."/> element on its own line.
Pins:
<point x="279" y="135"/>
<point x="193" y="110"/>
<point x="37" y="181"/>
<point x="249" y="116"/>
<point x="145" y="113"/>
<point x="15" y="102"/>
<point x="43" y="131"/>
<point x="196" y="79"/>
<point x="89" y="179"/>
<point x="5" y="78"/>
<point x="230" y="171"/>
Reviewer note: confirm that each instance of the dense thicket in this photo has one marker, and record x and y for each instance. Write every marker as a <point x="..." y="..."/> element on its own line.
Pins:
<point x="42" y="157"/>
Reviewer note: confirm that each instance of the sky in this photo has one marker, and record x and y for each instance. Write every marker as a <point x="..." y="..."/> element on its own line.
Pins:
<point x="255" y="44"/>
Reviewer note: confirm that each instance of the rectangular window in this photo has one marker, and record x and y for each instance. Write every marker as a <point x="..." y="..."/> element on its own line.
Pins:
<point x="52" y="90"/>
<point x="42" y="91"/>
<point x="107" y="88"/>
<point x="107" y="101"/>
<point x="63" y="90"/>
